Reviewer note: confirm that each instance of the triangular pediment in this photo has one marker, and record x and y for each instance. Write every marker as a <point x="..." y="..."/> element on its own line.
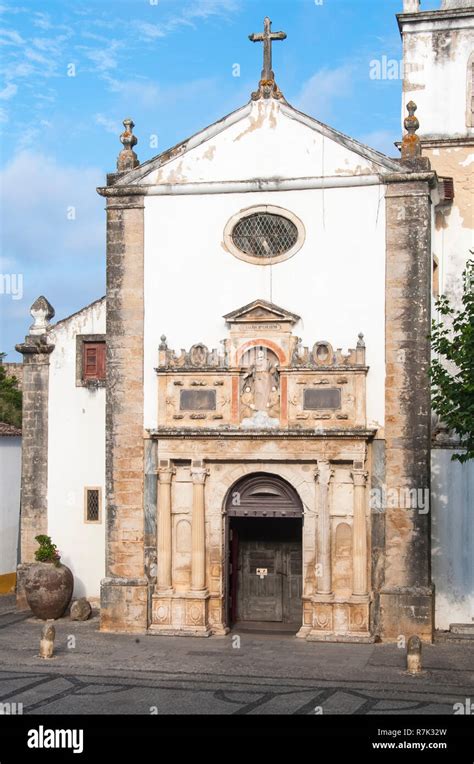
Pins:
<point x="266" y="140"/>
<point x="260" y="311"/>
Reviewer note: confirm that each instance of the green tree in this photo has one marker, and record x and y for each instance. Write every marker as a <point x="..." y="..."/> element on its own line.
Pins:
<point x="10" y="399"/>
<point x="452" y="370"/>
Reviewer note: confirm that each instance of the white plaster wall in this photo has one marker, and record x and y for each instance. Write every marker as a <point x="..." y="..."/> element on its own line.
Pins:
<point x="437" y="82"/>
<point x="10" y="481"/>
<point x="452" y="538"/>
<point x="335" y="282"/>
<point x="451" y="246"/>
<point x="76" y="454"/>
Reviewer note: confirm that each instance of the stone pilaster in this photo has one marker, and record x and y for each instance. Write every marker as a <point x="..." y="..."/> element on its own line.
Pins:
<point x="164" y="584"/>
<point x="34" y="466"/>
<point x="406" y="597"/>
<point x="323" y="476"/>
<point x="175" y="612"/>
<point x="124" y="590"/>
<point x="198" y="533"/>
<point x="359" y="536"/>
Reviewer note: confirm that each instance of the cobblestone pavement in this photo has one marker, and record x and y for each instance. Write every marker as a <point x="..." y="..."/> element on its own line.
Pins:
<point x="100" y="673"/>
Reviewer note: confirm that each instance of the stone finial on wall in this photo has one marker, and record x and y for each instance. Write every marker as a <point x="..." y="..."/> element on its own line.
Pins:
<point x="411" y="6"/>
<point x="411" y="145"/>
<point x="42" y="312"/>
<point x="127" y="159"/>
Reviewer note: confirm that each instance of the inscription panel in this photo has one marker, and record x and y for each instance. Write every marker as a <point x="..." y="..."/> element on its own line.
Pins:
<point x="323" y="398"/>
<point x="197" y="400"/>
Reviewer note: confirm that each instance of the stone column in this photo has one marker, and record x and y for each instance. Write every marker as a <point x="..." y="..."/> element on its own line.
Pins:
<point x="198" y="537"/>
<point x="164" y="574"/>
<point x="124" y="590"/>
<point x="359" y="535"/>
<point x="323" y="475"/>
<point x="36" y="351"/>
<point x="406" y="598"/>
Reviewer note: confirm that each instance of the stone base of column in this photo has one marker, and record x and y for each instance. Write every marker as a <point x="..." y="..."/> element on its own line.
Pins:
<point x="340" y="620"/>
<point x="21" y="571"/>
<point x="124" y="605"/>
<point x="405" y="611"/>
<point x="180" y="614"/>
<point x="307" y="618"/>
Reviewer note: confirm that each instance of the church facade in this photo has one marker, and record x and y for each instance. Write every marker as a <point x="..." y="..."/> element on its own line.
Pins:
<point x="239" y="433"/>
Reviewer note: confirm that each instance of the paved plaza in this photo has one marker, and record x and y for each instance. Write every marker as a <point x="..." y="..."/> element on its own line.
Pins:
<point x="93" y="672"/>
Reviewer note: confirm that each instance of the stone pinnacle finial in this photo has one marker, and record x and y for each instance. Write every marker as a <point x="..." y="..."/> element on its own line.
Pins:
<point x="127" y="159"/>
<point x="42" y="312"/>
<point x="411" y="144"/>
<point x="267" y="87"/>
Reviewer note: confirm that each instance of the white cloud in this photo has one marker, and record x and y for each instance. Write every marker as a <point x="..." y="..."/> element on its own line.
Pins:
<point x="205" y="8"/>
<point x="143" y="92"/>
<point x="8" y="91"/>
<point x="37" y="192"/>
<point x="42" y="20"/>
<point x="11" y="37"/>
<point x="59" y="257"/>
<point x="104" y="58"/>
<point x="110" y="125"/>
<point x="149" y="31"/>
<point x="191" y="12"/>
<point x="319" y="94"/>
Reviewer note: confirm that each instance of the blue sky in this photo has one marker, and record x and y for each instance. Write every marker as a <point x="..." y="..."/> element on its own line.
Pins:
<point x="169" y="65"/>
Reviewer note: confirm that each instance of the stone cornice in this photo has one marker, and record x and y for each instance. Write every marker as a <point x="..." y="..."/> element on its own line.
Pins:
<point x="273" y="435"/>
<point x="437" y="18"/>
<point x="267" y="184"/>
<point x="433" y="142"/>
<point x="213" y="370"/>
<point x="34" y="348"/>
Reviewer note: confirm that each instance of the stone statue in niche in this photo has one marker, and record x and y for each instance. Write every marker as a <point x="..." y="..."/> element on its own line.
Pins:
<point x="198" y="354"/>
<point x="260" y="397"/>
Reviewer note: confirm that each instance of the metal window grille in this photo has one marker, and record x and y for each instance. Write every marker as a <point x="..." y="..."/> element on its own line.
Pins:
<point x="265" y="234"/>
<point x="92" y="505"/>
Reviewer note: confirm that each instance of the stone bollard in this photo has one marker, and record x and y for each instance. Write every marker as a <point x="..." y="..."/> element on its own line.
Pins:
<point x="414" y="655"/>
<point x="47" y="641"/>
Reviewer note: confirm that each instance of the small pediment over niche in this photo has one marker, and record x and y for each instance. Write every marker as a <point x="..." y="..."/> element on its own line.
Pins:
<point x="260" y="311"/>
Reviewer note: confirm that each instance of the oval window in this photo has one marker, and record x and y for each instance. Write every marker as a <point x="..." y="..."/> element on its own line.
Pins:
<point x="264" y="235"/>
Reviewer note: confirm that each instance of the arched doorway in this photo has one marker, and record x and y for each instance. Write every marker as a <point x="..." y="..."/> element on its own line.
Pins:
<point x="265" y="523"/>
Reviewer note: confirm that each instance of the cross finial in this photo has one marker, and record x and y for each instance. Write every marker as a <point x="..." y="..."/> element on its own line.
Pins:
<point x="267" y="86"/>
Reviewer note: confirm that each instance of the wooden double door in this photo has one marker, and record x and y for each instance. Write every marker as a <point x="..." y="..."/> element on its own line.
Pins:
<point x="266" y="564"/>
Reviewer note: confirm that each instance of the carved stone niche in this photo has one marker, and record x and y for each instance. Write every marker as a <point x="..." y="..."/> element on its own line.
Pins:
<point x="261" y="377"/>
<point x="260" y="324"/>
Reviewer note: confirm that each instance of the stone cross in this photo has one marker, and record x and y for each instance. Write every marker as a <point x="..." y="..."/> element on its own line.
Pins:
<point x="267" y="37"/>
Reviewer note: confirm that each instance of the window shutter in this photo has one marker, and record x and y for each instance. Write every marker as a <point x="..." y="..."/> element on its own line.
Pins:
<point x="94" y="360"/>
<point x="101" y="360"/>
